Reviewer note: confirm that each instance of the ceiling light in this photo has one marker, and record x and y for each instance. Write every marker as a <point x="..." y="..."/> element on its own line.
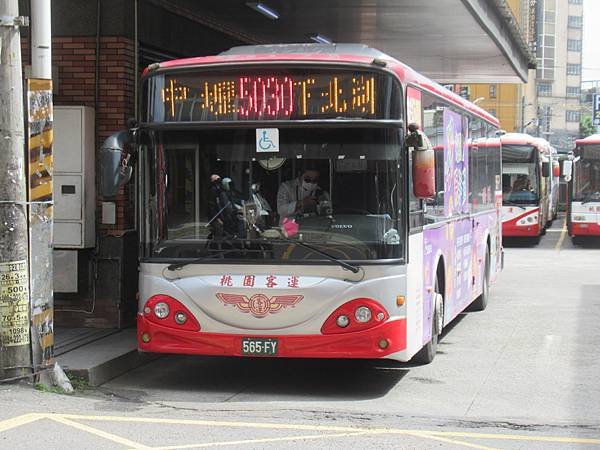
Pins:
<point x="264" y="10"/>
<point x="321" y="39"/>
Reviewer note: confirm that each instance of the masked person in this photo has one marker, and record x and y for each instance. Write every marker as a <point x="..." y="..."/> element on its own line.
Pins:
<point x="300" y="196"/>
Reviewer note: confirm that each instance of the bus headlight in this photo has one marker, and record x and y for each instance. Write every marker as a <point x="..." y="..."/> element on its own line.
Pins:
<point x="180" y="317"/>
<point x="342" y="321"/>
<point x="161" y="310"/>
<point x="362" y="314"/>
<point x="531" y="219"/>
<point x="356" y="315"/>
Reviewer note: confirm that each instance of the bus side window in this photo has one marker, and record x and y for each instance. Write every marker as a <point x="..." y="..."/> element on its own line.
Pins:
<point x="433" y="126"/>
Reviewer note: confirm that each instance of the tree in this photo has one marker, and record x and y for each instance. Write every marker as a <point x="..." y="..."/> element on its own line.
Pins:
<point x="586" y="127"/>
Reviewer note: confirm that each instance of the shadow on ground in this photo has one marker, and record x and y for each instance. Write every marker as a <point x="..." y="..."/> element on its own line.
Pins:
<point x="520" y="242"/>
<point x="587" y="242"/>
<point x="221" y="379"/>
<point x="210" y="379"/>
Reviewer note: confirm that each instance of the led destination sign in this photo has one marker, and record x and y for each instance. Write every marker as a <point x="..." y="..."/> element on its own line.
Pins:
<point x="270" y="95"/>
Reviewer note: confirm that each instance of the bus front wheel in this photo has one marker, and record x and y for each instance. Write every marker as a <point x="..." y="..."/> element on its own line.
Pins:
<point x="429" y="350"/>
<point x="480" y="303"/>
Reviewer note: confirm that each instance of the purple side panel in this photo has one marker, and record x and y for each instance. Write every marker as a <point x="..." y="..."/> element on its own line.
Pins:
<point x="456" y="165"/>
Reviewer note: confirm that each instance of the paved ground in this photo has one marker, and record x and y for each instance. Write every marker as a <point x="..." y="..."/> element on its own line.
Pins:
<point x="523" y="374"/>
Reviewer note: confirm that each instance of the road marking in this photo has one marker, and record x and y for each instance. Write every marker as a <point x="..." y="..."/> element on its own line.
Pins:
<point x="563" y="233"/>
<point x="18" y="421"/>
<point x="517" y="437"/>
<point x="444" y="436"/>
<point x="287" y="426"/>
<point x="260" y="441"/>
<point x="95" y="431"/>
<point x="452" y="441"/>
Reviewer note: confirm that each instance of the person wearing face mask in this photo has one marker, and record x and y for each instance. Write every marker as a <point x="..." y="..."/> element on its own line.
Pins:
<point x="301" y="195"/>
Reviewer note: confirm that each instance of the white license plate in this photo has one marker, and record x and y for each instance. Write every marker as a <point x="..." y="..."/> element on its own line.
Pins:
<point x="259" y="346"/>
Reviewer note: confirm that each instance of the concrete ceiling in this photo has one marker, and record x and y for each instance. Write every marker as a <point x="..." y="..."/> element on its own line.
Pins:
<point x="450" y="41"/>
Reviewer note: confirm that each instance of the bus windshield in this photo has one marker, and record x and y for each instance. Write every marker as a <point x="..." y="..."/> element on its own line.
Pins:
<point x="587" y="179"/>
<point x="520" y="174"/>
<point x="217" y="194"/>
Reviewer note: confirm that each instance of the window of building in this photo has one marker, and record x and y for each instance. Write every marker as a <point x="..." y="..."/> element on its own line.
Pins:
<point x="544" y="89"/>
<point x="573" y="91"/>
<point x="573" y="69"/>
<point x="493" y="89"/>
<point x="546" y="40"/>
<point x="573" y="116"/>
<point x="574" y="45"/>
<point x="576" y="2"/>
<point x="575" y="21"/>
<point x="492" y="111"/>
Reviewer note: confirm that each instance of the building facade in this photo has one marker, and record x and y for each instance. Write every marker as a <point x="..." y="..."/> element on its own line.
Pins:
<point x="514" y="104"/>
<point x="558" y="78"/>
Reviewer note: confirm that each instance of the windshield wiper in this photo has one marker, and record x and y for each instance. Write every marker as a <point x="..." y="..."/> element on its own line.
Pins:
<point x="179" y="265"/>
<point x="352" y="268"/>
<point x="590" y="198"/>
<point x="506" y="202"/>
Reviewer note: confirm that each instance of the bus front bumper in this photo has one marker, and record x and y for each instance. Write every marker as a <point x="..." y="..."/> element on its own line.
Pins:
<point x="585" y="229"/>
<point x="513" y="230"/>
<point x="361" y="344"/>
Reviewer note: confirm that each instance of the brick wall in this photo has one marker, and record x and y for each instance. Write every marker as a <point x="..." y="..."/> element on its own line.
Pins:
<point x="75" y="58"/>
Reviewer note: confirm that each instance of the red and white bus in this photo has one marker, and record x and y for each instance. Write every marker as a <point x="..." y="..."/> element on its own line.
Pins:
<point x="527" y="186"/>
<point x="583" y="211"/>
<point x="287" y="210"/>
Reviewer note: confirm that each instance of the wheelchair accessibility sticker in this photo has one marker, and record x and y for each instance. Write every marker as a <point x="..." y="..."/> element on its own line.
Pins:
<point x="267" y="140"/>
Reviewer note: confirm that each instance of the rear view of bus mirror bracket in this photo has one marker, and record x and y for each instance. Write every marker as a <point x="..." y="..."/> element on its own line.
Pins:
<point x="116" y="162"/>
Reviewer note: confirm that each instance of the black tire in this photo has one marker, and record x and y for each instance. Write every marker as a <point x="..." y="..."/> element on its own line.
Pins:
<point x="427" y="354"/>
<point x="481" y="302"/>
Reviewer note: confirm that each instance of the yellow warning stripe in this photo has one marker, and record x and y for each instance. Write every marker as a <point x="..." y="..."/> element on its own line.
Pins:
<point x="43" y="139"/>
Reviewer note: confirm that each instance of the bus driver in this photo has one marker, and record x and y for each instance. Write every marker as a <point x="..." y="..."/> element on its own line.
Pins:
<point x="300" y="195"/>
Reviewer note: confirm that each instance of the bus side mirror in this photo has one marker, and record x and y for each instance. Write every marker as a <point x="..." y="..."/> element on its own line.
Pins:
<point x="115" y="163"/>
<point x="555" y="169"/>
<point x="546" y="169"/>
<point x="423" y="159"/>
<point x="567" y="169"/>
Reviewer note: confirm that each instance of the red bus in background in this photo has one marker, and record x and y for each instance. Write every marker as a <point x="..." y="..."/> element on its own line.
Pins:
<point x="583" y="206"/>
<point x="526" y="185"/>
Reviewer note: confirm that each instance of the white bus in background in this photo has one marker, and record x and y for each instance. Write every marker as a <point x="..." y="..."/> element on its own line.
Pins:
<point x="527" y="182"/>
<point x="583" y="211"/>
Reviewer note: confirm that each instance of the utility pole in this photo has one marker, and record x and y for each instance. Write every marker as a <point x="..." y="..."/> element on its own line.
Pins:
<point x="15" y="350"/>
<point x="522" y="114"/>
<point x="40" y="133"/>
